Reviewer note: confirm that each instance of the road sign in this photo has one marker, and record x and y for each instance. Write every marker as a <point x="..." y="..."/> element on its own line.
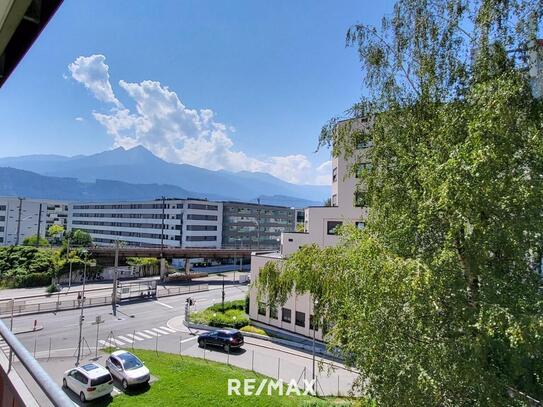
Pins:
<point x="98" y="320"/>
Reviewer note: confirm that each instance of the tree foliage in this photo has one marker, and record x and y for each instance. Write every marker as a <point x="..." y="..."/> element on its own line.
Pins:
<point x="437" y="302"/>
<point x="78" y="237"/>
<point x="35" y="240"/>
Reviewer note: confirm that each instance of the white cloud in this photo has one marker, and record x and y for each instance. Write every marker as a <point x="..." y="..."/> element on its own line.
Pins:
<point x="179" y="134"/>
<point x="79" y="119"/>
<point x="93" y="73"/>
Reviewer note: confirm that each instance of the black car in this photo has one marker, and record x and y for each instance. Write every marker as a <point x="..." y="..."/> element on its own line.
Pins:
<point x="225" y="338"/>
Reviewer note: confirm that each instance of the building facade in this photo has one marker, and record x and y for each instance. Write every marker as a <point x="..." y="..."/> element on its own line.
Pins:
<point x="320" y="227"/>
<point x="254" y="225"/>
<point x="21" y="218"/>
<point x="168" y="222"/>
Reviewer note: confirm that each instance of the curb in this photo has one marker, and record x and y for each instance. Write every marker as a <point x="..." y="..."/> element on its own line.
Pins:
<point x="38" y="328"/>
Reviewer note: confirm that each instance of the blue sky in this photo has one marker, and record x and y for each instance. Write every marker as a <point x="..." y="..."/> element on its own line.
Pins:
<point x="239" y="85"/>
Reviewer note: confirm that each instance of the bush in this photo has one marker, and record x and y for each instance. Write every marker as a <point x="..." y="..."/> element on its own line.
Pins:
<point x="238" y="304"/>
<point x="254" y="330"/>
<point x="52" y="288"/>
<point x="247" y="302"/>
<point x="233" y="317"/>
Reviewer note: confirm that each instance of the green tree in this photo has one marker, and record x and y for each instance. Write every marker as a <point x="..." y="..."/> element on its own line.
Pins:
<point x="78" y="238"/>
<point x="437" y="301"/>
<point x="35" y="241"/>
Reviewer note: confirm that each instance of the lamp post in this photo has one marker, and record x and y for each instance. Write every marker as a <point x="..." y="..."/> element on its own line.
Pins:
<point x="114" y="294"/>
<point x="315" y="303"/>
<point x="82" y="317"/>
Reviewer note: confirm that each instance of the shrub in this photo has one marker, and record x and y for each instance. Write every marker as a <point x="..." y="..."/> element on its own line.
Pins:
<point x="52" y="288"/>
<point x="254" y="330"/>
<point x="233" y="317"/>
<point x="238" y="304"/>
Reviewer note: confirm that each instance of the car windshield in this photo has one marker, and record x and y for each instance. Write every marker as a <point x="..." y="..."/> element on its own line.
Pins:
<point x="129" y="361"/>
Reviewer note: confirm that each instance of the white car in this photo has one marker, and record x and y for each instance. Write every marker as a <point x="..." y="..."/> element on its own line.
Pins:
<point x="127" y="368"/>
<point x="89" y="381"/>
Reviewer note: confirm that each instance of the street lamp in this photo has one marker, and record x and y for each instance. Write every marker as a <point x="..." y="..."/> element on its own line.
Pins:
<point x="85" y="255"/>
<point x="315" y="303"/>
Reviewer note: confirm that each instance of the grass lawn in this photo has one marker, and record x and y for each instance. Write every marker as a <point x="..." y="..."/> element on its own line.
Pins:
<point x="187" y="381"/>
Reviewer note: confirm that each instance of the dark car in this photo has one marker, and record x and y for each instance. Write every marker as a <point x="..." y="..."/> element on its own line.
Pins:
<point x="225" y="338"/>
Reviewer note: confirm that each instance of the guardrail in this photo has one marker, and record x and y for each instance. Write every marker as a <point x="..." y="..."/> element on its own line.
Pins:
<point x="22" y="307"/>
<point x="53" y="392"/>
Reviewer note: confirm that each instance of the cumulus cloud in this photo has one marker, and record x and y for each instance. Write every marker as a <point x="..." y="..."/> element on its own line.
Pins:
<point x="171" y="130"/>
<point x="79" y="119"/>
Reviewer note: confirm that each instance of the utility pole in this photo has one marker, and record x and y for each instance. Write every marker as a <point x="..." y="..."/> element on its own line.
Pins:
<point x="82" y="317"/>
<point x="70" y="263"/>
<point x="39" y="226"/>
<point x="114" y="294"/>
<point x="315" y="302"/>
<point x="19" y="221"/>
<point x="162" y="231"/>
<point x="223" y="293"/>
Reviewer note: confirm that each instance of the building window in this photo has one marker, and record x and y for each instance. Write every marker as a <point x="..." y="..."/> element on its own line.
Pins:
<point x="334" y="175"/>
<point x="261" y="308"/>
<point x="334" y="200"/>
<point x="360" y="225"/>
<point x="286" y="315"/>
<point x="313" y="325"/>
<point x="300" y="318"/>
<point x="360" y="199"/>
<point x="332" y="227"/>
<point x="273" y="311"/>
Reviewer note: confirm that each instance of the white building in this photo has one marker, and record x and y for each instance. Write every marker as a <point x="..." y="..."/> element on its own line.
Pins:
<point x="172" y="222"/>
<point x="320" y="226"/>
<point x="21" y="218"/>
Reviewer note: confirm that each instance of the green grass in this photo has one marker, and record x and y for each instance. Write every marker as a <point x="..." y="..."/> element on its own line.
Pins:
<point x="233" y="316"/>
<point x="186" y="381"/>
<point x="254" y="330"/>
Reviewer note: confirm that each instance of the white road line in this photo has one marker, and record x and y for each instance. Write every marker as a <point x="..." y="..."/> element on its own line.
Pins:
<point x="117" y="341"/>
<point x="152" y="333"/>
<point x="124" y="338"/>
<point x="160" y="331"/>
<point x="106" y="344"/>
<point x="137" y="338"/>
<point x="189" y="339"/>
<point x="165" y="328"/>
<point x="144" y="335"/>
<point x="164" y="305"/>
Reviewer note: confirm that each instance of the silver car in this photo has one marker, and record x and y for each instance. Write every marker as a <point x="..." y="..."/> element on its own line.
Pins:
<point x="127" y="368"/>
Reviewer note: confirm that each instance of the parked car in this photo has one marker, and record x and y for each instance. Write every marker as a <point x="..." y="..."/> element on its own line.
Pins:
<point x="127" y="367"/>
<point x="89" y="381"/>
<point x="226" y="338"/>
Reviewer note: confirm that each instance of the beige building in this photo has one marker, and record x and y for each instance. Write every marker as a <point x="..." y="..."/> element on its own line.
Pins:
<point x="320" y="227"/>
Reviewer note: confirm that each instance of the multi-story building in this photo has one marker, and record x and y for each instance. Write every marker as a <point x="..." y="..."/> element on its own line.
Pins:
<point x="320" y="227"/>
<point x="21" y="218"/>
<point x="168" y="222"/>
<point x="255" y="225"/>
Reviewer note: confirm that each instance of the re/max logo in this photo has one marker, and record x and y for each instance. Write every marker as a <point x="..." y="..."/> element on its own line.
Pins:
<point x="248" y="387"/>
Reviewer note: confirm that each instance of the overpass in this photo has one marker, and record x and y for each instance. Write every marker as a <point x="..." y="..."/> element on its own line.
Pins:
<point x="106" y="254"/>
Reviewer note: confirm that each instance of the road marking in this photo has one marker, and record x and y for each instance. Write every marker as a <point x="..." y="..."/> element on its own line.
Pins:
<point x="164" y="305"/>
<point x="152" y="333"/>
<point x="144" y="335"/>
<point x="106" y="343"/>
<point x="189" y="339"/>
<point x="124" y="338"/>
<point x="137" y="338"/>
<point x="161" y="331"/>
<point x="116" y="341"/>
<point x="165" y="328"/>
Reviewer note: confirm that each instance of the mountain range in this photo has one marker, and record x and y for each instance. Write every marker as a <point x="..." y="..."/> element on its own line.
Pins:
<point x="130" y="174"/>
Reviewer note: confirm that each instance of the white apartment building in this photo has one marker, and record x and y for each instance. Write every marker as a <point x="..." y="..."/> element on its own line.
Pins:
<point x="21" y="218"/>
<point x="320" y="225"/>
<point x="171" y="222"/>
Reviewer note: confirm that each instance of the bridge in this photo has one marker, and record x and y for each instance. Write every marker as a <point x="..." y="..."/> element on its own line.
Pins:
<point x="106" y="254"/>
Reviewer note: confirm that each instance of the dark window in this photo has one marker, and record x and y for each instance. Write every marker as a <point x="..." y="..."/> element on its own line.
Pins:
<point x="286" y="315"/>
<point x="2" y="218"/>
<point x="332" y="226"/>
<point x="300" y="318"/>
<point x="261" y="308"/>
<point x="201" y="227"/>
<point x="201" y="217"/>
<point x="334" y="175"/>
<point x="100" y="380"/>
<point x="273" y="311"/>
<point x="201" y="238"/>
<point x="360" y="199"/>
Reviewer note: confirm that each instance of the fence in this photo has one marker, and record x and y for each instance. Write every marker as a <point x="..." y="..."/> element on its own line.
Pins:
<point x="35" y="305"/>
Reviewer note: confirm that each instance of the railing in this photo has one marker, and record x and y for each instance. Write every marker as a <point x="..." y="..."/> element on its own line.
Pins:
<point x="53" y="392"/>
<point x="23" y="307"/>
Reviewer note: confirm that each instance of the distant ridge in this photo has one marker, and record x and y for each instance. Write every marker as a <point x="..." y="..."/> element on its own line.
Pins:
<point x="139" y="166"/>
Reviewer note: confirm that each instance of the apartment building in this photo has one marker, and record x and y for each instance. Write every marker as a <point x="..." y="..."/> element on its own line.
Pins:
<point x="21" y="218"/>
<point x="320" y="227"/>
<point x="254" y="225"/>
<point x="168" y="222"/>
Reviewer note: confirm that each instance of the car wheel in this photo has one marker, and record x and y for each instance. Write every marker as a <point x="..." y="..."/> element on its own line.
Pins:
<point x="124" y="383"/>
<point x="226" y="347"/>
<point x="82" y="397"/>
<point x="64" y="384"/>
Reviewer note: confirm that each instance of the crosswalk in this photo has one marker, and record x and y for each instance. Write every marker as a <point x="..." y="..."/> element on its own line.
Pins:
<point x="136" y="336"/>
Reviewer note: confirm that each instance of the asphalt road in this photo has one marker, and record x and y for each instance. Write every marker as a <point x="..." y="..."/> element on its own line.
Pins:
<point x="146" y="325"/>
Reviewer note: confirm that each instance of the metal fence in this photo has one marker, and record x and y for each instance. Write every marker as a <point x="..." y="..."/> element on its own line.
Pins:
<point x="34" y="305"/>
